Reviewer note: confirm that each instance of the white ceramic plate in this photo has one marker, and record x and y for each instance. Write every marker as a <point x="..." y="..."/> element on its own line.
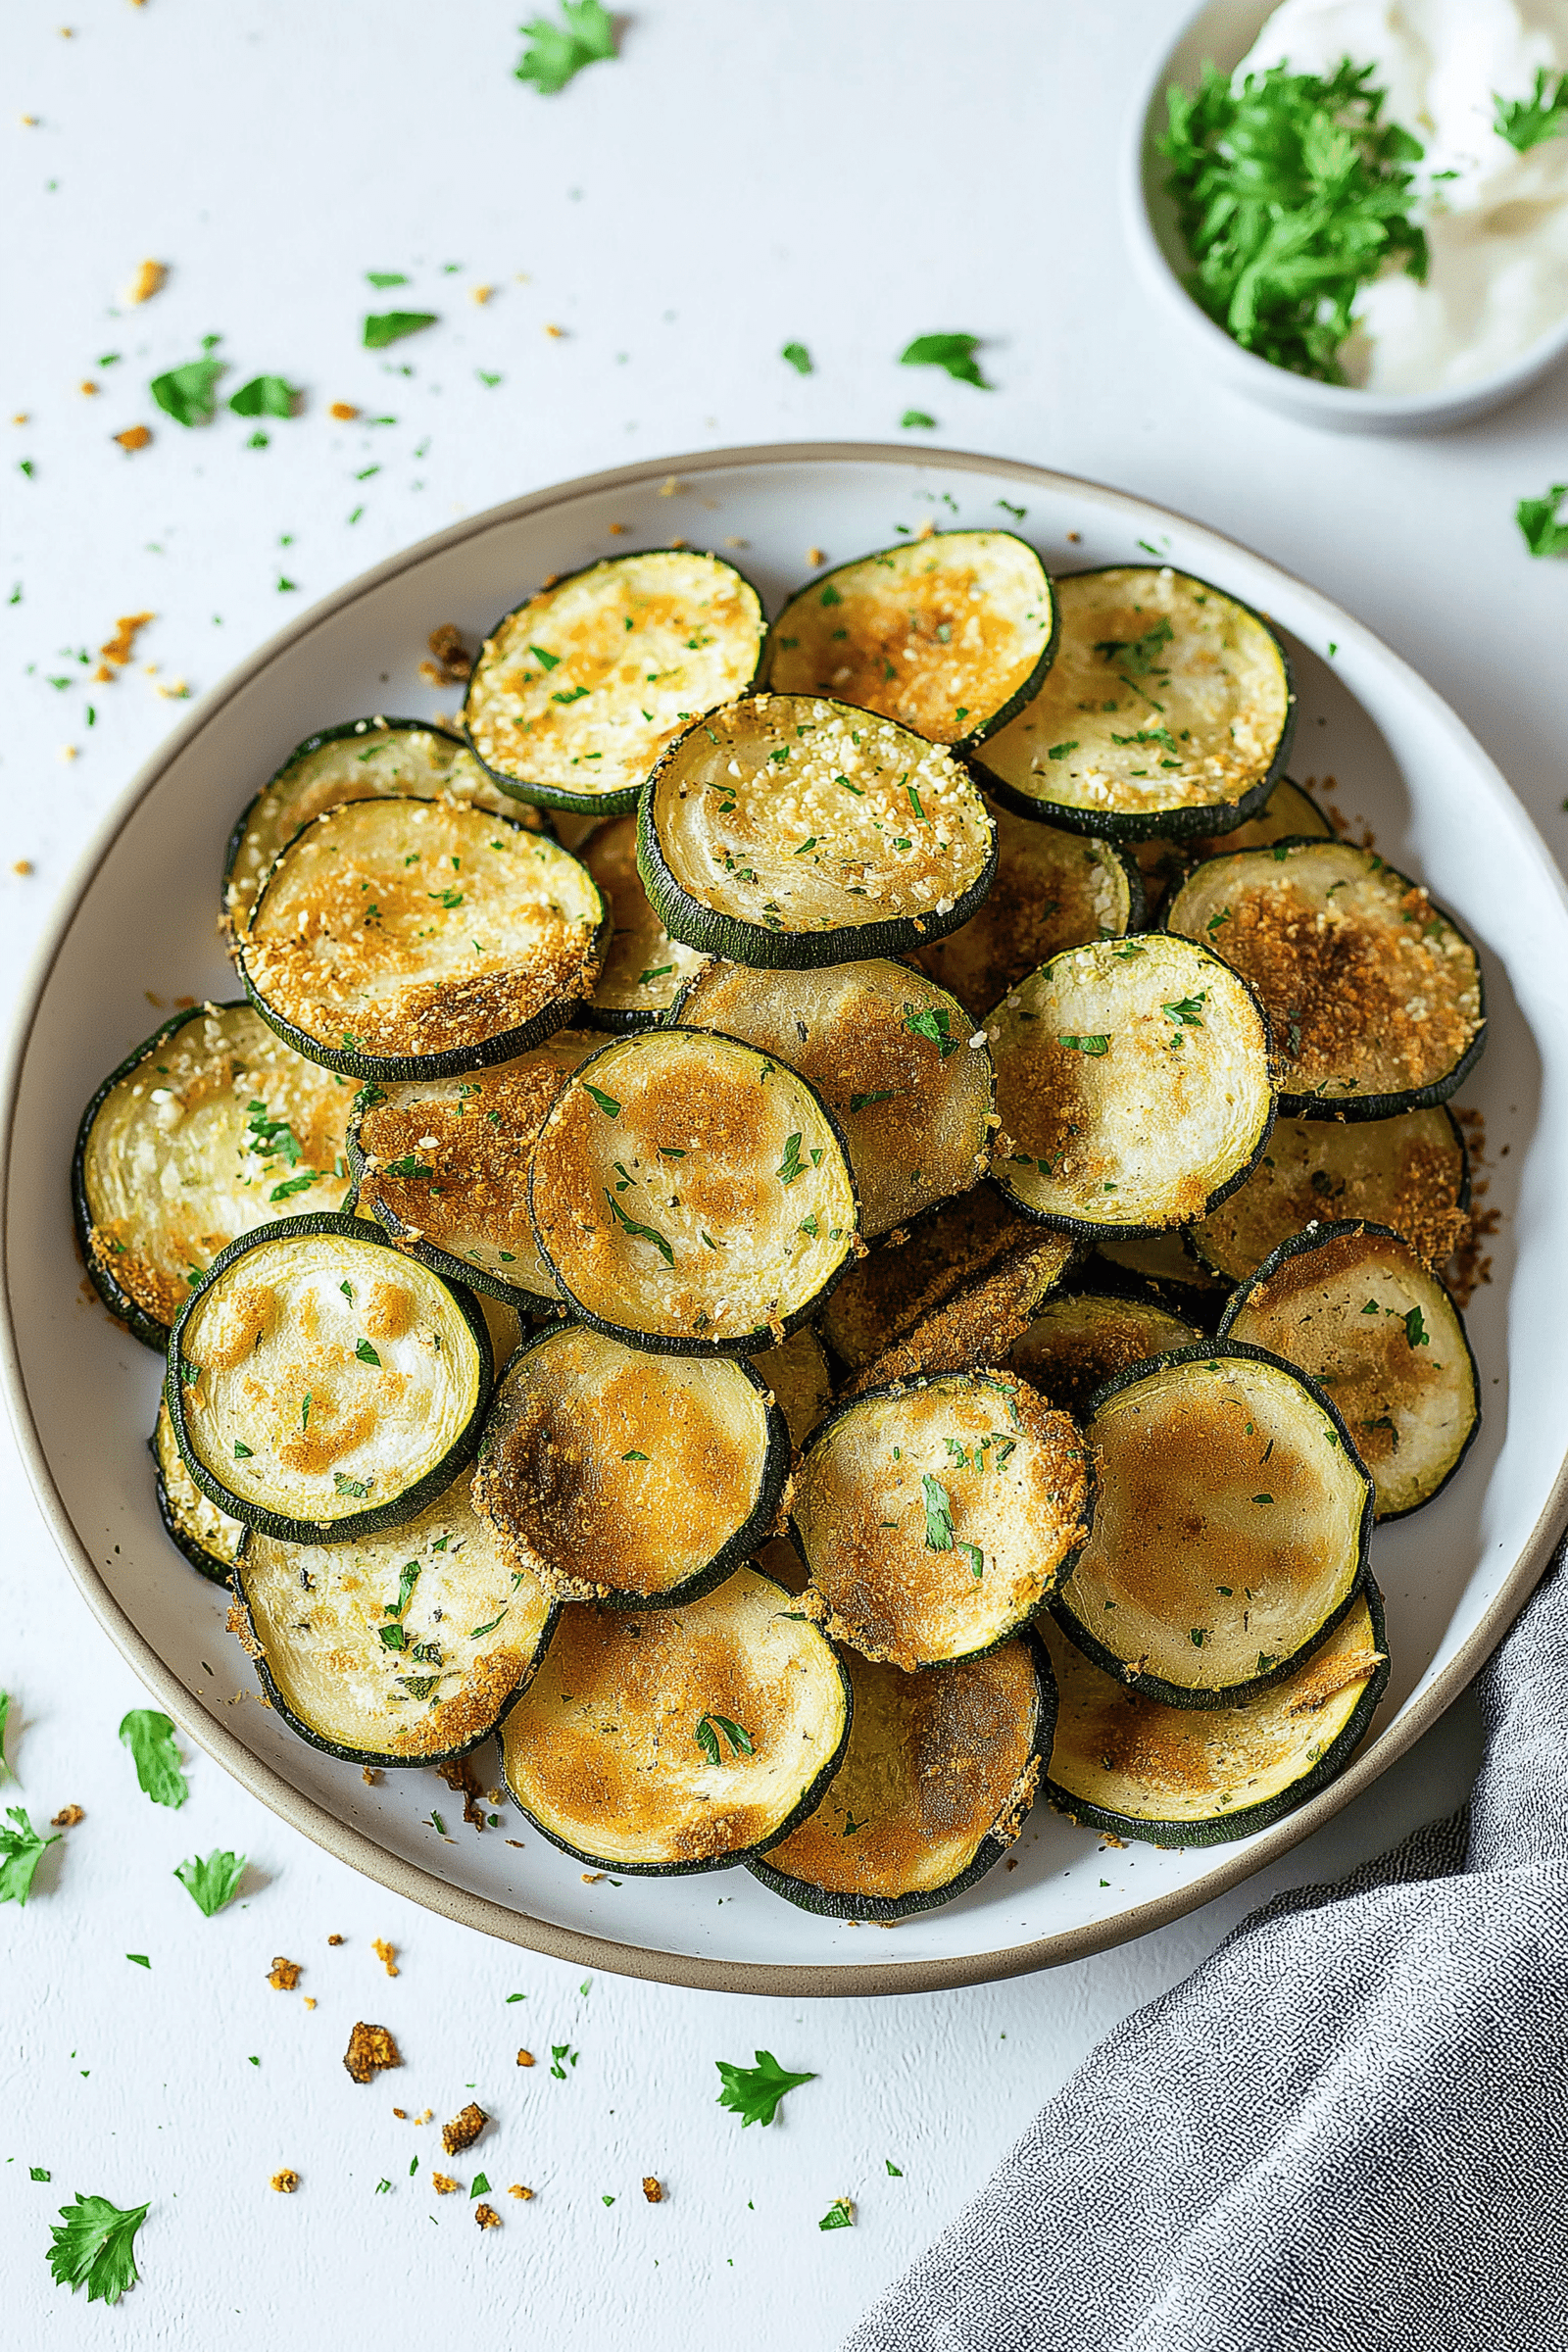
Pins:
<point x="140" y="917"/>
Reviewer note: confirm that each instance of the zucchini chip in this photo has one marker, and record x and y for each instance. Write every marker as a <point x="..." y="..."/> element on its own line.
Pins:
<point x="442" y="1165"/>
<point x="1287" y="815"/>
<point x="1373" y="996"/>
<point x="936" y="1518"/>
<point x="1133" y="1086"/>
<point x="1081" y="1338"/>
<point x="980" y="1324"/>
<point x="949" y="1255"/>
<point x="896" y="1061"/>
<point x="629" y="1479"/>
<point x="795" y="1376"/>
<point x="691" y="1195"/>
<point x="948" y="635"/>
<point x="1052" y="890"/>
<point x="322" y="1385"/>
<point x="209" y="1539"/>
<point x="788" y="831"/>
<point x="644" y="969"/>
<point x="367" y="760"/>
<point x="682" y="1739"/>
<point x="1360" y="1309"/>
<point x="211" y="1128"/>
<point x="1164" y="1262"/>
<point x="939" y="1774"/>
<point x="1409" y="1172"/>
<point x="1129" y="1767"/>
<point x="504" y="1326"/>
<point x="401" y="1648"/>
<point x="410" y="939"/>
<point x="1169" y="710"/>
<point x="1230" y="1530"/>
<point x="576" y="693"/>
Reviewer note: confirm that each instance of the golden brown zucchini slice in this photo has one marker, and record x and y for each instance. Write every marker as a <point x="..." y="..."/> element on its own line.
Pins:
<point x="896" y="1061"/>
<point x="692" y="1195"/>
<point x="950" y="635"/>
<point x="1052" y="890"/>
<point x="367" y="760"/>
<point x="1411" y="1172"/>
<point x="936" y="1518"/>
<point x="1129" y="1767"/>
<point x="1362" y="1311"/>
<point x="1169" y="710"/>
<point x="212" y="1127"/>
<point x="939" y="1774"/>
<point x="1082" y="1338"/>
<point x="322" y="1385"/>
<point x="410" y="939"/>
<point x="628" y="1479"/>
<point x="442" y="1165"/>
<point x="209" y="1539"/>
<point x="682" y="1739"/>
<point x="978" y="1325"/>
<point x="400" y="1648"/>
<point x="1230" y="1530"/>
<point x="1133" y="1086"/>
<point x="1373" y="995"/>
<point x="644" y="969"/>
<point x="787" y="831"/>
<point x="797" y="1377"/>
<point x="1287" y="815"/>
<point x="576" y="693"/>
<point x="948" y="1254"/>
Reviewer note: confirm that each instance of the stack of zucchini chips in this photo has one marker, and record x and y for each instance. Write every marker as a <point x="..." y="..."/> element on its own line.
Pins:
<point x="738" y="1091"/>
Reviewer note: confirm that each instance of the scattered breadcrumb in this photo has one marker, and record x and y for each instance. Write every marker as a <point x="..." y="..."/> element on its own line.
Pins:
<point x="525" y="2057"/>
<point x="371" y="2050"/>
<point x="402" y="2114"/>
<point x="344" y="410"/>
<point x="309" y="1998"/>
<point x="814" y="555"/>
<point x="175" y="692"/>
<point x="444" y="2184"/>
<point x="121" y="646"/>
<point x="928" y="528"/>
<point x="89" y="386"/>
<point x="618" y="530"/>
<point x="134" y="436"/>
<point x="487" y="2217"/>
<point x="556" y="333"/>
<point x="482" y="293"/>
<point x="669" y="488"/>
<point x="652" y="2191"/>
<point x="462" y="1781"/>
<point x="68" y="1815"/>
<point x="591" y="1877"/>
<point x="517" y="1841"/>
<point x="1075" y="537"/>
<point x="464" y="2128"/>
<point x="517" y="2190"/>
<point x="334" y="1939"/>
<point x="67" y="751"/>
<point x="425" y="2116"/>
<point x="386" y="1954"/>
<point x="147" y="281"/>
<point x="680" y="543"/>
<point x="23" y="866"/>
<point x="368" y="1777"/>
<point x="29" y="122"/>
<point x="283" y="1975"/>
<point x="1106" y="1837"/>
<point x="734" y="541"/>
<point x="285" y="2182"/>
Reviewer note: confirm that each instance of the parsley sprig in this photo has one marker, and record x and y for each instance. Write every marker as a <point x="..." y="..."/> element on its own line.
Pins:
<point x="556" y="53"/>
<point x="754" y="2093"/>
<point x="1526" y="121"/>
<point x="1536" y="518"/>
<point x="22" y="1849"/>
<point x="210" y="1880"/>
<point x="150" y="1737"/>
<point x="94" y="2243"/>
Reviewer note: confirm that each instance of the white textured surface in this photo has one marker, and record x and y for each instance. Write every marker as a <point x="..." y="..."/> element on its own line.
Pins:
<point x="848" y="177"/>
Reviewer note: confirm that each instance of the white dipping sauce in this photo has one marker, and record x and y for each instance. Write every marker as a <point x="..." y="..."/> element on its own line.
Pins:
<point x="1497" y="234"/>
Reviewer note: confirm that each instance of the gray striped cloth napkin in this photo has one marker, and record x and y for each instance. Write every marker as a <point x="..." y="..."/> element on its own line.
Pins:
<point x="1346" y="2131"/>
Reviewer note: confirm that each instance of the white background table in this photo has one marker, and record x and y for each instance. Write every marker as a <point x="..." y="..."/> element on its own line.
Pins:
<point x="844" y="172"/>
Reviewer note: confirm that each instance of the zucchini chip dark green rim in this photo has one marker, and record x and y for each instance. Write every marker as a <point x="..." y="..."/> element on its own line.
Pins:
<point x="406" y="1506"/>
<point x="532" y="1305"/>
<point x="205" y="1563"/>
<point x="1153" y="1685"/>
<point x="827" y="1903"/>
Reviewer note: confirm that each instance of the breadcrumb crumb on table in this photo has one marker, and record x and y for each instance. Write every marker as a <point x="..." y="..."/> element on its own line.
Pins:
<point x="285" y="2182"/>
<point x="368" y="1777"/>
<point x="371" y="2050"/>
<point x="344" y="410"/>
<point x="444" y="2184"/>
<point x="334" y="1939"/>
<point x="480" y="294"/>
<point x="525" y="2057"/>
<point x="309" y="1998"/>
<point x="134" y="436"/>
<point x="517" y="2190"/>
<point x="120" y="649"/>
<point x="148" y="280"/>
<point x="89" y="387"/>
<point x="283" y="1975"/>
<point x="816" y="555"/>
<point x="68" y="1815"/>
<point x="386" y="1954"/>
<point x="487" y="2217"/>
<point x="464" y="2128"/>
<point x="652" y="2189"/>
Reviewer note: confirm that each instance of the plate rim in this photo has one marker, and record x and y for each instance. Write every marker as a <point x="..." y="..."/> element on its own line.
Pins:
<point x="357" y="1847"/>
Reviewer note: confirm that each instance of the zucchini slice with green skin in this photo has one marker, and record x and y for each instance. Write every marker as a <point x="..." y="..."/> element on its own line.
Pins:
<point x="1287" y="815"/>
<point x="1131" y="1768"/>
<point x="796" y="1377"/>
<point x="631" y="1480"/>
<point x="401" y="1648"/>
<point x="896" y="1061"/>
<point x="210" y="1128"/>
<point x="1166" y="1264"/>
<point x="948" y="1255"/>
<point x="1082" y="1338"/>
<point x="577" y="692"/>
<point x="950" y="635"/>
<point x="692" y="1196"/>
<point x="210" y="1539"/>
<point x="644" y="969"/>
<point x="365" y="759"/>
<point x="678" y="1740"/>
<point x="1052" y="890"/>
<point x="322" y="1385"/>
<point x="937" y="1518"/>
<point x="413" y="939"/>
<point x="442" y="1165"/>
<point x="787" y="831"/>
<point x="1360" y="1309"/>
<point x="1411" y="1172"/>
<point x="1230" y="1530"/>
<point x="1372" y="994"/>
<point x="940" y="1771"/>
<point x="1134" y="1087"/>
<point x="1169" y="710"/>
<point x="978" y="1325"/>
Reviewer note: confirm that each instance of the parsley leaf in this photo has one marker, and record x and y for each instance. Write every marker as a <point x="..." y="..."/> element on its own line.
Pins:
<point x="1526" y="121"/>
<point x="386" y="277"/>
<point x="22" y="1849"/>
<point x="707" y="1730"/>
<point x="641" y="1233"/>
<point x="840" y="2215"/>
<point x="1085" y="1045"/>
<point x="955" y="353"/>
<point x="931" y="1021"/>
<point x="95" y="2242"/>
<point x="367" y="1355"/>
<point x="585" y="37"/>
<point x="791" y="1164"/>
<point x="915" y="419"/>
<point x="382" y="327"/>
<point x="211" y="1883"/>
<point x="754" y="2093"/>
<point x="607" y="1103"/>
<point x="1415" y="1331"/>
<point x="150" y="1738"/>
<point x="1536" y="518"/>
<point x="798" y="358"/>
<point x="938" y="1515"/>
<point x="265" y="396"/>
<point x="189" y="394"/>
<point x="1187" y="1011"/>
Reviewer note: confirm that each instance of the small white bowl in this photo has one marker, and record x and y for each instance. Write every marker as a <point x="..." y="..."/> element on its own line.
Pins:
<point x="1224" y="31"/>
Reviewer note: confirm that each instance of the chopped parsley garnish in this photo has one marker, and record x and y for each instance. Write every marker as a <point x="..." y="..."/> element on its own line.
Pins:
<point x="94" y="2244"/>
<point x="265" y="396"/>
<point x="150" y="1737"/>
<point x="955" y="353"/>
<point x="1536" y="518"/>
<point x="634" y="1456"/>
<point x="570" y="694"/>
<point x="269" y="1138"/>
<point x="641" y="1233"/>
<point x="840" y="2215"/>
<point x="1415" y="1331"/>
<point x="607" y="1103"/>
<point x="211" y="1883"/>
<point x="242" y="1452"/>
<point x="407" y="1167"/>
<point x="189" y="394"/>
<point x="386" y="277"/>
<point x="938" y="1514"/>
<point x="367" y="1355"/>
<point x="557" y="2051"/>
<point x="707" y="1729"/>
<point x="1139" y="654"/>
<point x="1059" y="750"/>
<point x="791" y="1164"/>
<point x="754" y="2093"/>
<point x="294" y="1184"/>
<point x="446" y="898"/>
<point x="798" y="358"/>
<point x="1187" y="1011"/>
<point x="916" y="419"/>
<point x="556" y="52"/>
<point x="865" y="1102"/>
<point x="382" y="327"/>
<point x="344" y="1485"/>
<point x="1084" y="1045"/>
<point x="931" y="1021"/>
<point x="1526" y="121"/>
<point x="22" y="1849"/>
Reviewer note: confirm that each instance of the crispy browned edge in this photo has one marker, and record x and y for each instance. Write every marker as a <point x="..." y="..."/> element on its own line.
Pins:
<point x="360" y="1850"/>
